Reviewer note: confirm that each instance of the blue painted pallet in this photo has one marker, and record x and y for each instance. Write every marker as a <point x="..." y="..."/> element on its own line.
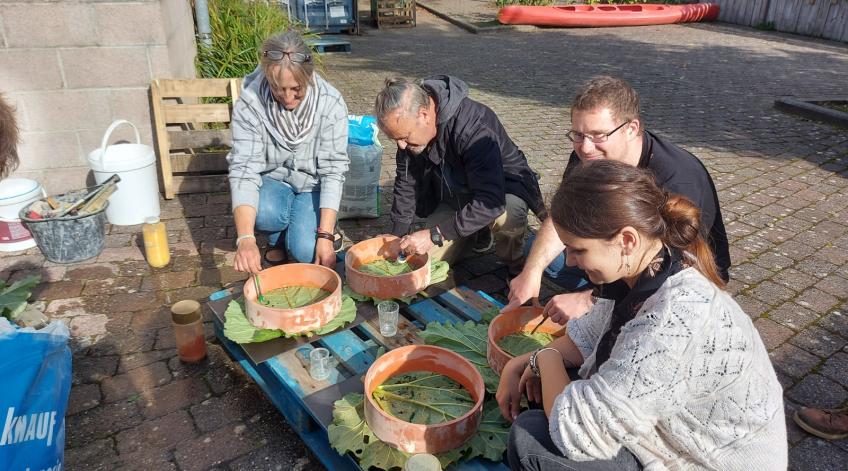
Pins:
<point x="307" y="404"/>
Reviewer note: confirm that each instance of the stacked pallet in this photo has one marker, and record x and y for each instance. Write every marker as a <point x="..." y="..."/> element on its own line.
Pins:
<point x="393" y="13"/>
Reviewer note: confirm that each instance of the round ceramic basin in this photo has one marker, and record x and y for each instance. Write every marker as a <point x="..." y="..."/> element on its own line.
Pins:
<point x="417" y="438"/>
<point x="522" y="319"/>
<point x="302" y="319"/>
<point x="384" y="287"/>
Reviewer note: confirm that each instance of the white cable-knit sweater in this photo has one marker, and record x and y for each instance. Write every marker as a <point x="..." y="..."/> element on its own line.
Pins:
<point x="688" y="385"/>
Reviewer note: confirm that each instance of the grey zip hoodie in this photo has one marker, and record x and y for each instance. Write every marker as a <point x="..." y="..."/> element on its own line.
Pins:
<point x="318" y="164"/>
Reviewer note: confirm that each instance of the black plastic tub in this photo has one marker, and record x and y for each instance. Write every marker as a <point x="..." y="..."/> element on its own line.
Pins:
<point x="68" y="239"/>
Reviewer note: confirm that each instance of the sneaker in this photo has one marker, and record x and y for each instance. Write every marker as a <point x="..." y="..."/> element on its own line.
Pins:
<point x="483" y="241"/>
<point x="830" y="424"/>
<point x="338" y="239"/>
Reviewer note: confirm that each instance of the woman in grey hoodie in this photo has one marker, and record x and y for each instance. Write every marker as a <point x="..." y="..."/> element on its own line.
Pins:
<point x="289" y="157"/>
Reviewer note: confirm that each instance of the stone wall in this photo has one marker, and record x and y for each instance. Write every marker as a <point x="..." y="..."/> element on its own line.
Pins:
<point x="72" y="67"/>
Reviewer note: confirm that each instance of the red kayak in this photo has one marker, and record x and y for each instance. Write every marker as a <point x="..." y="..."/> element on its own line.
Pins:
<point x="589" y="16"/>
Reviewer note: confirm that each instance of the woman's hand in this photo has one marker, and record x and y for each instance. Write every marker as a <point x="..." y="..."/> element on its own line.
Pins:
<point x="531" y="385"/>
<point x="324" y="253"/>
<point x="247" y="257"/>
<point x="509" y="388"/>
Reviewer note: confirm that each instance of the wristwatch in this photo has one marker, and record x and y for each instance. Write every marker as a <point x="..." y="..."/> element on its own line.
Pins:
<point x="534" y="367"/>
<point x="436" y="236"/>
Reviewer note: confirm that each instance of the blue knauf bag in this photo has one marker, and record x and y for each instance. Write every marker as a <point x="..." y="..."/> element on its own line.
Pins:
<point x="361" y="193"/>
<point x="36" y="369"/>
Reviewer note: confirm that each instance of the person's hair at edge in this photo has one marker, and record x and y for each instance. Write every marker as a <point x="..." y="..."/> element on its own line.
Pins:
<point x="605" y="91"/>
<point x="289" y="41"/>
<point x="599" y="198"/>
<point x="394" y="94"/>
<point x="9" y="139"/>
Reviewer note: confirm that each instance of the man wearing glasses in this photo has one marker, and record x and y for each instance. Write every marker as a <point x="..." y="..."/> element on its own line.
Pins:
<point x="606" y="125"/>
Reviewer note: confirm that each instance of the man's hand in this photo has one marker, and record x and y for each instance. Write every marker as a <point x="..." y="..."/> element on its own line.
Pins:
<point x="523" y="288"/>
<point x="247" y="257"/>
<point x="417" y="243"/>
<point x="564" y="307"/>
<point x="324" y="253"/>
<point x="509" y="387"/>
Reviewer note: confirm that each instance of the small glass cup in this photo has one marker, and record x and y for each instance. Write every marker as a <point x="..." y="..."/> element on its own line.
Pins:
<point x="319" y="364"/>
<point x="388" y="312"/>
<point x="422" y="462"/>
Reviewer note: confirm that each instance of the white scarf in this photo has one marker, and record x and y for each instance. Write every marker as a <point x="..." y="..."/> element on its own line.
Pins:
<point x="292" y="126"/>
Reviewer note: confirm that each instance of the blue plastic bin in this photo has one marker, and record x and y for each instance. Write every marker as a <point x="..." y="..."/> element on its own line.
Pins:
<point x="324" y="16"/>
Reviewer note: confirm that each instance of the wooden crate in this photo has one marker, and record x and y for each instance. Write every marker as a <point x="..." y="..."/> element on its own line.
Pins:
<point x="393" y="13"/>
<point x="192" y="156"/>
<point x="307" y="404"/>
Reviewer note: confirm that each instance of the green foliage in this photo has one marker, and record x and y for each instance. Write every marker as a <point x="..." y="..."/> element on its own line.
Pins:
<point x="765" y="26"/>
<point x="423" y="398"/>
<point x="238" y="328"/>
<point x="238" y="29"/>
<point x="13" y="298"/>
<point x="385" y="268"/>
<point x="467" y="339"/>
<point x="503" y="3"/>
<point x="522" y="342"/>
<point x="350" y="433"/>
<point x="292" y="297"/>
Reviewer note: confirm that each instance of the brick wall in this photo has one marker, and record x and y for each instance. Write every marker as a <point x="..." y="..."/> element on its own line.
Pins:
<point x="72" y="67"/>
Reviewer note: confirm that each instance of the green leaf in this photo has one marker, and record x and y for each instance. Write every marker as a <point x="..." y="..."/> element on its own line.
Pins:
<point x="491" y="438"/>
<point x="292" y="297"/>
<point x="423" y="398"/>
<point x="522" y="342"/>
<point x="489" y="314"/>
<point x="385" y="268"/>
<point x="467" y="339"/>
<point x="346" y="314"/>
<point x="238" y="329"/>
<point x="439" y="271"/>
<point x="13" y="298"/>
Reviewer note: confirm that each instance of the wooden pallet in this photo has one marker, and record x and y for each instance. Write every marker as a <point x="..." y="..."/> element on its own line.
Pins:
<point x="325" y="45"/>
<point x="182" y="142"/>
<point x="307" y="404"/>
<point x="393" y="13"/>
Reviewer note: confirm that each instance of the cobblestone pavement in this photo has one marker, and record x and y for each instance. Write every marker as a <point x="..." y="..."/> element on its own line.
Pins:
<point x="710" y="88"/>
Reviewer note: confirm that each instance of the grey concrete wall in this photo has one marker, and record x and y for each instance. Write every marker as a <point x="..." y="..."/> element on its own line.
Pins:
<point x="73" y="67"/>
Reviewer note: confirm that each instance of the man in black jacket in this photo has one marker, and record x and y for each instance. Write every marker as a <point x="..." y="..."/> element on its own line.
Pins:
<point x="457" y="167"/>
<point x="606" y="125"/>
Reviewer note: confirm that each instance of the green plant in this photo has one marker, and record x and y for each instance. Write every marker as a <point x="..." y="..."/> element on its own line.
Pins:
<point x="765" y="26"/>
<point x="238" y="29"/>
<point x="467" y="339"/>
<point x="13" y="298"/>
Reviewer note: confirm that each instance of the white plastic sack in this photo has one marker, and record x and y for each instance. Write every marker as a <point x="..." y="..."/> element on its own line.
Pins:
<point x="361" y="194"/>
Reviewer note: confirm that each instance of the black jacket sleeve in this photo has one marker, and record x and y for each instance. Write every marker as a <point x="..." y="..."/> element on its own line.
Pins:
<point x="481" y="158"/>
<point x="403" y="205"/>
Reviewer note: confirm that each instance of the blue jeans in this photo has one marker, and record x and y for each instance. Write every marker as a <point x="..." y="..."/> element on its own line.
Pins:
<point x="570" y="278"/>
<point x="281" y="209"/>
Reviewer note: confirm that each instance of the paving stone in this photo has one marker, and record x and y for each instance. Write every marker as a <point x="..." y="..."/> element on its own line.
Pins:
<point x="135" y="360"/>
<point x="836" y="368"/>
<point x="174" y="396"/>
<point x="238" y="404"/>
<point x="57" y="290"/>
<point x="161" y="433"/>
<point x="213" y="448"/>
<point x="135" y="382"/>
<point x="221" y="276"/>
<point x="815" y="267"/>
<point x="792" y="360"/>
<point x="834" y="285"/>
<point x="93" y="369"/>
<point x="122" y="343"/>
<point x="281" y="456"/>
<point x="97" y="455"/>
<point x="134" y="268"/>
<point x="818" y="341"/>
<point x="749" y="273"/>
<point x="93" y="271"/>
<point x="147" y="459"/>
<point x="83" y="397"/>
<point x="794" y="279"/>
<point x="771" y="293"/>
<point x="215" y="358"/>
<point x="816" y="300"/>
<point x="815" y="454"/>
<point x="836" y="321"/>
<point x="131" y="302"/>
<point x="793" y="316"/>
<point x="121" y="284"/>
<point x="169" y="281"/>
<point x="100" y="422"/>
<point x="817" y="391"/>
<point x="152" y="319"/>
<point x="772" y="333"/>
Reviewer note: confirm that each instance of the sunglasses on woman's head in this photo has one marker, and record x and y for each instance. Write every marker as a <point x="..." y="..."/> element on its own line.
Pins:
<point x="296" y="57"/>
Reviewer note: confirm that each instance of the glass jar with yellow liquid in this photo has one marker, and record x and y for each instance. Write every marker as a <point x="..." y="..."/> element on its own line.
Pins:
<point x="156" y="242"/>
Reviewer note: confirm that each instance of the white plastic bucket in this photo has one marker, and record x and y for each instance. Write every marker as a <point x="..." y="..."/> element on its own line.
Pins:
<point x="16" y="194"/>
<point x="137" y="196"/>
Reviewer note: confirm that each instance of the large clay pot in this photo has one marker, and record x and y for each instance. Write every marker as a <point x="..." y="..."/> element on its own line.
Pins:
<point x="384" y="287"/>
<point x="417" y="438"/>
<point x="511" y="322"/>
<point x="302" y="319"/>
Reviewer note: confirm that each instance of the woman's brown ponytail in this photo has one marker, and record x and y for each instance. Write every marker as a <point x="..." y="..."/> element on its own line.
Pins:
<point x="682" y="231"/>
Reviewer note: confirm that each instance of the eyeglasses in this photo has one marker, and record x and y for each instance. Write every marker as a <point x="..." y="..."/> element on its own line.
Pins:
<point x="296" y="57"/>
<point x="578" y="137"/>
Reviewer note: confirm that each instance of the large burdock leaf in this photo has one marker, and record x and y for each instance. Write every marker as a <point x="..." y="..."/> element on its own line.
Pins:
<point x="350" y="433"/>
<point x="423" y="398"/>
<point x="522" y="342"/>
<point x="385" y="268"/>
<point x="13" y="298"/>
<point x="239" y="329"/>
<point x="291" y="297"/>
<point x="467" y="339"/>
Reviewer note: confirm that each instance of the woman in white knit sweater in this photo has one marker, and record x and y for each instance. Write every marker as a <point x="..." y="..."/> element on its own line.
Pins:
<point x="673" y="375"/>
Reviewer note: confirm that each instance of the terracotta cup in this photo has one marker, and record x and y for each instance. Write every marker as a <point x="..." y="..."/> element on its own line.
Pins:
<point x="417" y="438"/>
<point x="511" y="322"/>
<point x="302" y="319"/>
<point x="384" y="287"/>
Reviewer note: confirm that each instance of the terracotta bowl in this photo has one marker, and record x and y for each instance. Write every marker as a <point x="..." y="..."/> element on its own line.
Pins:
<point x="302" y="319"/>
<point x="384" y="287"/>
<point x="518" y="320"/>
<point x="417" y="438"/>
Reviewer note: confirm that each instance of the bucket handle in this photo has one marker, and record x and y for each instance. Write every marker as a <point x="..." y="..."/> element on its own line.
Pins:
<point x="108" y="134"/>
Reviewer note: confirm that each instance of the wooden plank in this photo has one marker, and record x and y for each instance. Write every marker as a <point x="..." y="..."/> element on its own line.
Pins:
<point x="194" y="88"/>
<point x="204" y="113"/>
<point x="836" y="24"/>
<point x="200" y="139"/>
<point x="812" y="17"/>
<point x="455" y="300"/>
<point x="430" y="311"/>
<point x="407" y="333"/>
<point x="289" y="367"/>
<point x="786" y="14"/>
<point x="182" y="163"/>
<point x="492" y="300"/>
<point x="200" y="183"/>
<point x="350" y="350"/>
<point x="162" y="145"/>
